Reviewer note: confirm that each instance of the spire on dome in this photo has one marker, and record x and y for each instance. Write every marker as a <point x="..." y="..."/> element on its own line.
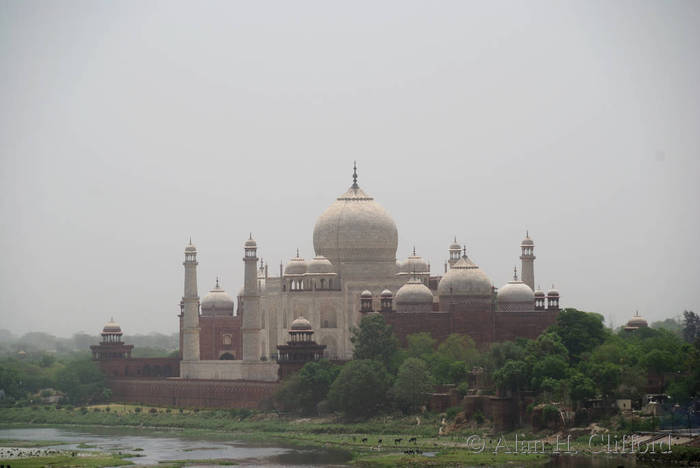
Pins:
<point x="354" y="175"/>
<point x="297" y="252"/>
<point x="515" y="273"/>
<point x="217" y="282"/>
<point x="414" y="250"/>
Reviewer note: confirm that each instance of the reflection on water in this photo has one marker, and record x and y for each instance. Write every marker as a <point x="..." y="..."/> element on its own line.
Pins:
<point x="593" y="461"/>
<point x="153" y="447"/>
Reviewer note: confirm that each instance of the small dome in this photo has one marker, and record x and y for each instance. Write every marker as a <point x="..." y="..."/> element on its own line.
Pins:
<point x="250" y="243"/>
<point x="539" y="292"/>
<point x="637" y="321"/>
<point x="465" y="279"/>
<point x="386" y="293"/>
<point x="301" y="324"/>
<point x="414" y="264"/>
<point x="454" y="245"/>
<point x="515" y="291"/>
<point x="413" y="292"/>
<point x="367" y="294"/>
<point x="527" y="241"/>
<point x="190" y="247"/>
<point x="320" y="265"/>
<point x="552" y="292"/>
<point x="111" y="327"/>
<point x="296" y="266"/>
<point x="217" y="302"/>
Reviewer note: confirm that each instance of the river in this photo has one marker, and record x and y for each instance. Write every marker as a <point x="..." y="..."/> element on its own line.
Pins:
<point x="152" y="447"/>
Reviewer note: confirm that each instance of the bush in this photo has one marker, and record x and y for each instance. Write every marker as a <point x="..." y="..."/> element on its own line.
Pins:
<point x="360" y="389"/>
<point x="137" y="409"/>
<point x="479" y="417"/>
<point x="412" y="385"/>
<point x="153" y="411"/>
<point x="453" y="411"/>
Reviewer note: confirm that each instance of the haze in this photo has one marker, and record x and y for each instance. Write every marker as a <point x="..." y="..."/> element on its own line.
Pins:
<point x="126" y="127"/>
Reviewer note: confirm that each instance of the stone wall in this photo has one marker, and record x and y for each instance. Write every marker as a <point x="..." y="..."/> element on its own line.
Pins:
<point x="192" y="393"/>
<point x="141" y="367"/>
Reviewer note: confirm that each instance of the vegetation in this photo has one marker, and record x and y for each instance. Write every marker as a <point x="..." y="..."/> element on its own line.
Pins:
<point x="35" y="379"/>
<point x="575" y="360"/>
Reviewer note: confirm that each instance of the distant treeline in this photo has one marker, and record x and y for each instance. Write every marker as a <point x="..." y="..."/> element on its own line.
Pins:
<point x="39" y="342"/>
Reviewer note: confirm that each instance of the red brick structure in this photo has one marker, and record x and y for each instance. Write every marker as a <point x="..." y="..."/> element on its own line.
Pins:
<point x="484" y="327"/>
<point x="193" y="393"/>
<point x="140" y="367"/>
<point x="219" y="337"/>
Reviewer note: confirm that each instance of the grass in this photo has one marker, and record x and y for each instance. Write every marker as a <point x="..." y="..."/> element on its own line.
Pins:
<point x="29" y="443"/>
<point x="83" y="461"/>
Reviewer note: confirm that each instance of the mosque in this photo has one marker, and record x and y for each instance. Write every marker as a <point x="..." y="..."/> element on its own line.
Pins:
<point x="354" y="272"/>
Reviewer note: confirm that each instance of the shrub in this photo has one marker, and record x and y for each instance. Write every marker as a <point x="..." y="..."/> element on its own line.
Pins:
<point x="360" y="389"/>
<point x="453" y="411"/>
<point x="153" y="411"/>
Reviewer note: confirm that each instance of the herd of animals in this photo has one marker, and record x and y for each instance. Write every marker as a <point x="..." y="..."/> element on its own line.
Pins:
<point x="412" y="440"/>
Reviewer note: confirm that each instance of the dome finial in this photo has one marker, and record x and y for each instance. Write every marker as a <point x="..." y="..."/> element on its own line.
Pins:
<point x="217" y="282"/>
<point x="464" y="250"/>
<point x="515" y="273"/>
<point x="190" y="240"/>
<point x="297" y="252"/>
<point x="414" y="250"/>
<point x="354" y="175"/>
<point x="527" y="233"/>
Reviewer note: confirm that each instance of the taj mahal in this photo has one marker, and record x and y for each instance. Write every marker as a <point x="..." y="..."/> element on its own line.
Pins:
<point x="354" y="272"/>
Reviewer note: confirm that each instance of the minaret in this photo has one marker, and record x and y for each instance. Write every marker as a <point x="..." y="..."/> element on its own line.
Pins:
<point x="190" y="301"/>
<point x="527" y="269"/>
<point x="455" y="251"/>
<point x="251" y="303"/>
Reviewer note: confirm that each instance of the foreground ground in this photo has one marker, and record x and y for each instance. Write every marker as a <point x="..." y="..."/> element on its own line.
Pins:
<point x="382" y="441"/>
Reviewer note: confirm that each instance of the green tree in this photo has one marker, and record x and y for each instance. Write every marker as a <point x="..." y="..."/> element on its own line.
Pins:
<point x="513" y="376"/>
<point x="551" y="367"/>
<point x="420" y="344"/>
<point x="10" y="381"/>
<point x="374" y="340"/>
<point x="691" y="326"/>
<point x="580" y="388"/>
<point x="82" y="382"/>
<point x="360" y="389"/>
<point x="580" y="331"/>
<point x="412" y="385"/>
<point x="458" y="347"/>
<point x="304" y="390"/>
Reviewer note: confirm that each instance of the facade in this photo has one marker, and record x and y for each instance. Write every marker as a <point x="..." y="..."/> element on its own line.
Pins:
<point x="355" y="271"/>
<point x="233" y="352"/>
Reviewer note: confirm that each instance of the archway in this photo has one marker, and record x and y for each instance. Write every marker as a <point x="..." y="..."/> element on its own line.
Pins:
<point x="227" y="357"/>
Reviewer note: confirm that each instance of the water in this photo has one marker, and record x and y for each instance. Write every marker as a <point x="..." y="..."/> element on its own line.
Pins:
<point x="154" y="447"/>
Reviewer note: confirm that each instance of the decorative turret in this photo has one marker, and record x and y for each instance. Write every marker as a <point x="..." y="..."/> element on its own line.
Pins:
<point x="386" y="299"/>
<point x="552" y="299"/>
<point x="251" y="325"/>
<point x="366" y="302"/>
<point x="111" y="346"/>
<point x="539" y="299"/>
<point x="190" y="307"/>
<point x="455" y="250"/>
<point x="527" y="268"/>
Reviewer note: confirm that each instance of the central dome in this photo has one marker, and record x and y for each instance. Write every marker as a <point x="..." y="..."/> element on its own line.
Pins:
<point x="355" y="228"/>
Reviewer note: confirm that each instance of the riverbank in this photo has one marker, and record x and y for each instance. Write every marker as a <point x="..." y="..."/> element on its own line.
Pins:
<point x="382" y="441"/>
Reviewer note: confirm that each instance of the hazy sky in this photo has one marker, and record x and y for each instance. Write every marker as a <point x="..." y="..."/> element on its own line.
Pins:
<point x="127" y="126"/>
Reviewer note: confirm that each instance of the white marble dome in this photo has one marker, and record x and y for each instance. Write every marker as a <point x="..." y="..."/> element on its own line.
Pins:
<point x="515" y="292"/>
<point x="413" y="292"/>
<point x="355" y="228"/>
<point x="296" y="266"/>
<point x="217" y="302"/>
<point x="320" y="265"/>
<point x="301" y="323"/>
<point x="111" y="327"/>
<point x="414" y="264"/>
<point x="465" y="279"/>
